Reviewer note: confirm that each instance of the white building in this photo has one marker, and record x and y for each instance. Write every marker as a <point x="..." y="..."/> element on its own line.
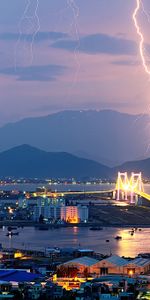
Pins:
<point x="74" y="214"/>
<point x="48" y="208"/>
<point x="48" y="212"/>
<point x="57" y="210"/>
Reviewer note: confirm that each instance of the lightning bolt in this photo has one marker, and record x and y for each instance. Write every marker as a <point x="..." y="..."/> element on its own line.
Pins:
<point x="37" y="20"/>
<point x="145" y="12"/>
<point x="32" y="19"/>
<point x="139" y="5"/>
<point x="75" y="10"/>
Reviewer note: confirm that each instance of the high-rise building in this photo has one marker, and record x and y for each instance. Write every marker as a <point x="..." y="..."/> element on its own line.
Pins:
<point x="74" y="214"/>
<point x="56" y="209"/>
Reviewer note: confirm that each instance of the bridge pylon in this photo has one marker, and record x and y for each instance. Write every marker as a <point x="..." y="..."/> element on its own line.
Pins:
<point x="135" y="185"/>
<point x="128" y="188"/>
<point x="122" y="184"/>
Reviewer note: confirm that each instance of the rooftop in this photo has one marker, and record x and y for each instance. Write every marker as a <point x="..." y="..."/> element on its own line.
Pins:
<point x="17" y="276"/>
<point x="140" y="261"/>
<point x="116" y="260"/>
<point x="85" y="260"/>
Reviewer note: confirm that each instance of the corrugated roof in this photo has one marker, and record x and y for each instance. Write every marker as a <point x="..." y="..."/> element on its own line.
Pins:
<point x="17" y="276"/>
<point x="116" y="260"/>
<point x="85" y="260"/>
<point x="139" y="261"/>
<point x="85" y="250"/>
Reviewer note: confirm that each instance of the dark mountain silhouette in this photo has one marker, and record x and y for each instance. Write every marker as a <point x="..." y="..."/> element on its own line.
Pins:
<point x="136" y="166"/>
<point x="29" y="162"/>
<point x="106" y="136"/>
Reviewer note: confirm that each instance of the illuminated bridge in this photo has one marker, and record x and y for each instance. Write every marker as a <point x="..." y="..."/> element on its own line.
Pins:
<point x="130" y="189"/>
<point x="127" y="189"/>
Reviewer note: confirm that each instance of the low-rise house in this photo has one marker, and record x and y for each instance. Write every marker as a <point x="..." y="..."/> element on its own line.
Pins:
<point x="112" y="265"/>
<point x="84" y="265"/>
<point x="137" y="266"/>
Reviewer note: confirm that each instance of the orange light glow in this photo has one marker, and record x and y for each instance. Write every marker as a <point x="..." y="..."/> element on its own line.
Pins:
<point x="130" y="272"/>
<point x="70" y="214"/>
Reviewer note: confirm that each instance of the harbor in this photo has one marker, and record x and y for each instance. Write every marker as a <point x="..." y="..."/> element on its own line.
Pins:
<point x="102" y="241"/>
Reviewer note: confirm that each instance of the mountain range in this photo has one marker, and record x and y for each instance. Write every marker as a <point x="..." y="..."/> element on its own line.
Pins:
<point x="29" y="162"/>
<point x="106" y="136"/>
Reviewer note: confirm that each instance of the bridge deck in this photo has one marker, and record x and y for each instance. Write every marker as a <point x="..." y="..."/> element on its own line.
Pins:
<point x="84" y="192"/>
<point x="144" y="195"/>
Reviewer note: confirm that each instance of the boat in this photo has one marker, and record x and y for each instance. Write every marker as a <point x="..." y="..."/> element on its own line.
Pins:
<point x="118" y="237"/>
<point x="10" y="228"/>
<point x="96" y="228"/>
<point x="12" y="233"/>
<point x="107" y="241"/>
<point x="131" y="232"/>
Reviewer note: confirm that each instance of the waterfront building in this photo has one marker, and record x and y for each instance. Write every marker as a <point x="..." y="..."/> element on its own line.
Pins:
<point x="49" y="208"/>
<point x="56" y="209"/>
<point x="74" y="214"/>
<point x="109" y="266"/>
<point x="112" y="265"/>
<point x="118" y="265"/>
<point x="137" y="266"/>
<point x="81" y="264"/>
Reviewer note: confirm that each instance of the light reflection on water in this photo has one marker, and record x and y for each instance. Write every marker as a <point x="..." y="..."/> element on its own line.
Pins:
<point x="31" y="238"/>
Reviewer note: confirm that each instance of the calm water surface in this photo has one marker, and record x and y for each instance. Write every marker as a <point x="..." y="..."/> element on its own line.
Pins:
<point x="31" y="238"/>
<point x="65" y="187"/>
<point x="58" y="187"/>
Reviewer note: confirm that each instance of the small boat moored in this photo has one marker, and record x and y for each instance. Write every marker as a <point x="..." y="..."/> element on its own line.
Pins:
<point x="10" y="233"/>
<point x="118" y="237"/>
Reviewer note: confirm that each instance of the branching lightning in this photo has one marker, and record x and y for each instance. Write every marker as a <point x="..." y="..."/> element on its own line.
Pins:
<point x="139" y="5"/>
<point x="34" y="21"/>
<point x="145" y="12"/>
<point x="37" y="20"/>
<point x="75" y="10"/>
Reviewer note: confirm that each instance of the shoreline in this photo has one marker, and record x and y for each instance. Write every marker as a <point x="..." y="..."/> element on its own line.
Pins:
<point x="80" y="225"/>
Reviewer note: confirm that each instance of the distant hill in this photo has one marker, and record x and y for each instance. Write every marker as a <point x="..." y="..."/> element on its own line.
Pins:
<point x="106" y="136"/>
<point x="135" y="166"/>
<point x="29" y="162"/>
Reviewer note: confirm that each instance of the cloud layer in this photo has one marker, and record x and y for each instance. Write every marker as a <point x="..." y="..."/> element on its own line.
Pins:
<point x="99" y="43"/>
<point x="35" y="73"/>
<point x="39" y="37"/>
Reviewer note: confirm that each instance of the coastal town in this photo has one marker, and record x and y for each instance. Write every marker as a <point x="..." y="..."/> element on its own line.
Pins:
<point x="56" y="272"/>
<point x="70" y="273"/>
<point x="74" y="150"/>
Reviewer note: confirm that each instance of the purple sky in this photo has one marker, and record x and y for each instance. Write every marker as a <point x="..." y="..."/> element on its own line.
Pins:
<point x="83" y="57"/>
